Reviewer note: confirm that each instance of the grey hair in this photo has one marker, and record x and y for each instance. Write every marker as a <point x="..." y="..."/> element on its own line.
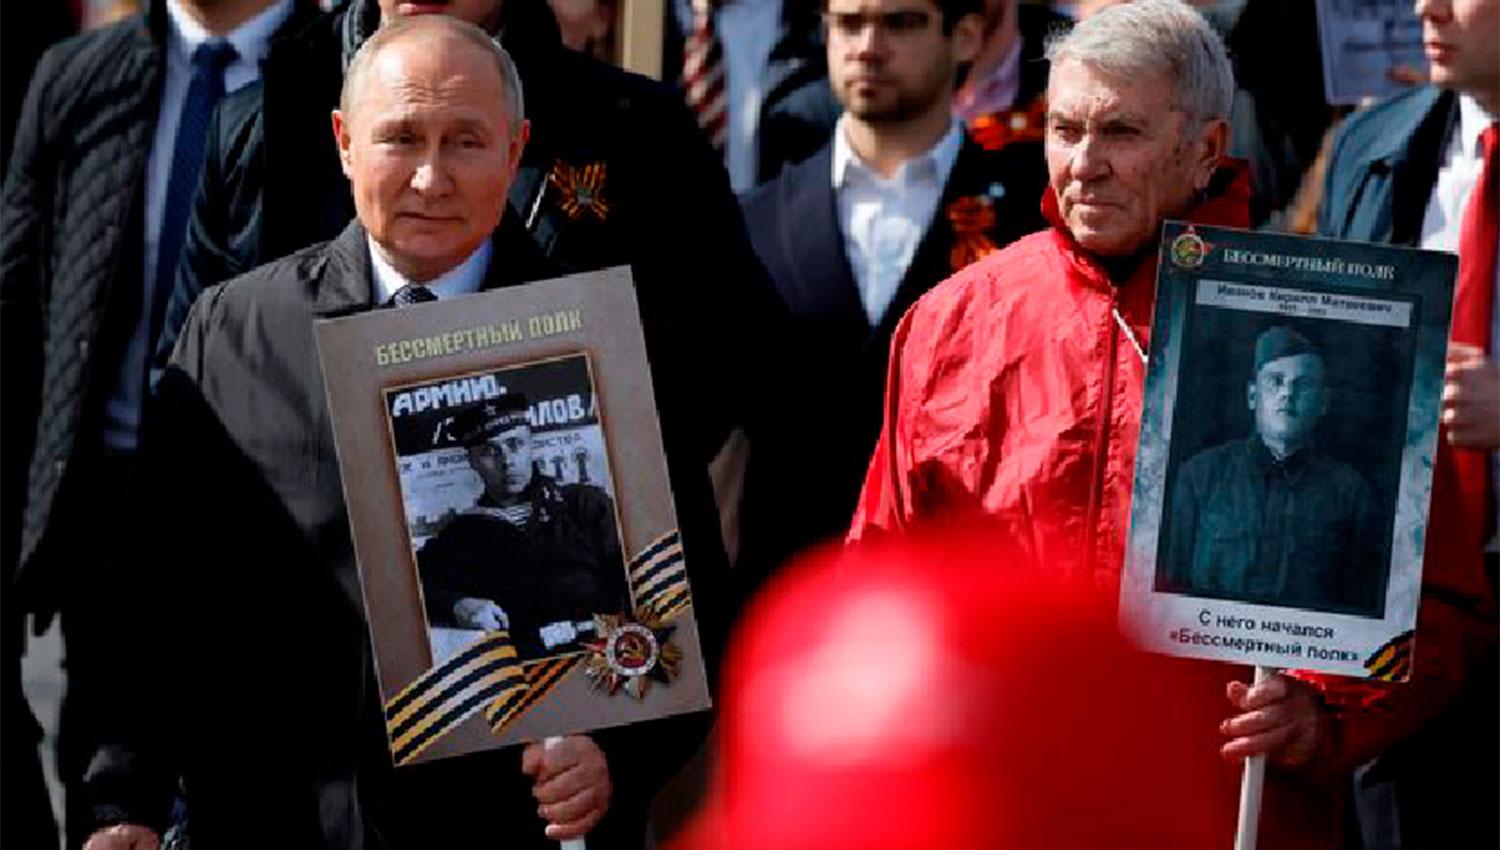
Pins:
<point x="1169" y="37"/>
<point x="411" y="25"/>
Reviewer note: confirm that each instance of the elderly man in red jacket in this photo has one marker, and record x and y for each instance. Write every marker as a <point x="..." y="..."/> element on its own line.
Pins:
<point x="1015" y="388"/>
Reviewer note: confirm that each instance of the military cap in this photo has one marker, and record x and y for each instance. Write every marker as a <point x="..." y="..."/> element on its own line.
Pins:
<point x="473" y="425"/>
<point x="1280" y="341"/>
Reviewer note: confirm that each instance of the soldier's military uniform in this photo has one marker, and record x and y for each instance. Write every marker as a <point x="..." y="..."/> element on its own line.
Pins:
<point x="550" y="571"/>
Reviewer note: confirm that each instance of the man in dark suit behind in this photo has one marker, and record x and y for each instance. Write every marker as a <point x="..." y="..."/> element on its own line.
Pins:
<point x="1421" y="169"/>
<point x="898" y="201"/>
<point x="245" y="656"/>
<point x="105" y="158"/>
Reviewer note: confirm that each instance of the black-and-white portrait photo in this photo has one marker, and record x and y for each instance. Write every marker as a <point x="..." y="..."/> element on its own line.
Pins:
<point x="1284" y="466"/>
<point x="509" y="505"/>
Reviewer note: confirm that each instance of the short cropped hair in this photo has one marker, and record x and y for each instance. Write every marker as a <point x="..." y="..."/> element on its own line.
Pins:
<point x="950" y="12"/>
<point x="1135" y="39"/>
<point x="412" y="25"/>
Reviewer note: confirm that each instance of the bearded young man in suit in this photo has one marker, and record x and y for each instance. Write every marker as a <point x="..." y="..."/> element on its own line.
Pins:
<point x="899" y="200"/>
<point x="242" y="630"/>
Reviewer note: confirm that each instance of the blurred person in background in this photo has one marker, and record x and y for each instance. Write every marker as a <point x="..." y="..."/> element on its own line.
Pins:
<point x="899" y="200"/>
<point x="1420" y="169"/>
<point x="753" y="74"/>
<point x="1002" y="96"/>
<point x="94" y="206"/>
<point x="1015" y="388"/>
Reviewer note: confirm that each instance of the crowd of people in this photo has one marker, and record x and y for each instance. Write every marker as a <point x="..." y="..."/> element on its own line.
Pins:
<point x="905" y="251"/>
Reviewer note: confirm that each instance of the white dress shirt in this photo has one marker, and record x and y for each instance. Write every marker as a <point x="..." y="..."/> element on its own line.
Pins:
<point x="1456" y="178"/>
<point x="747" y="30"/>
<point x="463" y="279"/>
<point x="883" y="220"/>
<point x="122" y="412"/>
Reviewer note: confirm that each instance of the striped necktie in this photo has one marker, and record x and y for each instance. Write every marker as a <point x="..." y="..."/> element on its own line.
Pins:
<point x="703" y="75"/>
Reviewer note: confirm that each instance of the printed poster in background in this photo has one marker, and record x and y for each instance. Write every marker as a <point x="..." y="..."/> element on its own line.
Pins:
<point x="1362" y="40"/>
<point x="588" y="617"/>
<point x="1287" y="439"/>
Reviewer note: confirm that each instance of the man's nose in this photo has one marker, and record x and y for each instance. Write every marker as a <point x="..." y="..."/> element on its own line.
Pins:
<point x="870" y="42"/>
<point x="1090" y="160"/>
<point x="430" y="177"/>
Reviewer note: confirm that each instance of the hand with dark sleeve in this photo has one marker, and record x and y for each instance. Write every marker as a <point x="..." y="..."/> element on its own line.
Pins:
<point x="441" y="587"/>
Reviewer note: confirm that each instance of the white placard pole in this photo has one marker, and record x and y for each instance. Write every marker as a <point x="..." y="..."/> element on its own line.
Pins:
<point x="567" y="843"/>
<point x="1252" y="782"/>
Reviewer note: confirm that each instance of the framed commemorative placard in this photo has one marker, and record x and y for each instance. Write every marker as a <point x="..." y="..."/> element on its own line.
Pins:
<point x="514" y="526"/>
<point x="1290" y="423"/>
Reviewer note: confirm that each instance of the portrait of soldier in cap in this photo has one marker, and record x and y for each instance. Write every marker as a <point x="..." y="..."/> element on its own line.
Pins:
<point x="532" y="555"/>
<point x="1271" y="518"/>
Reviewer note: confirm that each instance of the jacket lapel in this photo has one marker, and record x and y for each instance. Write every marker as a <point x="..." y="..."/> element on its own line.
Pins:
<point x="345" y="285"/>
<point x="810" y="235"/>
<point x="1414" y="170"/>
<point x="932" y="262"/>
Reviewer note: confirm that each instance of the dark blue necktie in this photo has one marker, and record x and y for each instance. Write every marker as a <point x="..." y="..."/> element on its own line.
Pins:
<point x="204" y="92"/>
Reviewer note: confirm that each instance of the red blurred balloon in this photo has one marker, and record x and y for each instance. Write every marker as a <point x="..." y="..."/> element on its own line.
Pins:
<point x="935" y="692"/>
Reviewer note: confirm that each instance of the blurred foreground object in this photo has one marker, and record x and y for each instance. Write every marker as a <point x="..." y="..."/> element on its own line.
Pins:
<point x="924" y="693"/>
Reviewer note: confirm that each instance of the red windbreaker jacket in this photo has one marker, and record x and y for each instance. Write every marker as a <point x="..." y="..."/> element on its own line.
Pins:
<point x="1015" y="391"/>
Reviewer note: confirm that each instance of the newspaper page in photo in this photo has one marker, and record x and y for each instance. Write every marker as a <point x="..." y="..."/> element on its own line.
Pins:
<point x="1362" y="41"/>
<point x="1287" y="440"/>
<point x="515" y="530"/>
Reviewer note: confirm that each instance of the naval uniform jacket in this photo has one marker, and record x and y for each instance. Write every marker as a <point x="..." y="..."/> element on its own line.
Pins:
<point x="562" y="564"/>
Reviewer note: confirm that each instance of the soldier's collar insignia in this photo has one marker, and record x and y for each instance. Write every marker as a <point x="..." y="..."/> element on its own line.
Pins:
<point x="580" y="189"/>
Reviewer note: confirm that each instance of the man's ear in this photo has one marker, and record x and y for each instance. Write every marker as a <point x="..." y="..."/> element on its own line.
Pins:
<point x="967" y="38"/>
<point x="1212" y="146"/>
<point x="518" y="142"/>
<point x="342" y="138"/>
<point x="1250" y="394"/>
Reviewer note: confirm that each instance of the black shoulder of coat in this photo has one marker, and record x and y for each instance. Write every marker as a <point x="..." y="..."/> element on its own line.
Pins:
<point x="78" y="76"/>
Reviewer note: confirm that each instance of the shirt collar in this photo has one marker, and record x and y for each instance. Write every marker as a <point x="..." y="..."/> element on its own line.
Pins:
<point x="463" y="279"/>
<point x="251" y="39"/>
<point x="1472" y="121"/>
<point x="940" y="157"/>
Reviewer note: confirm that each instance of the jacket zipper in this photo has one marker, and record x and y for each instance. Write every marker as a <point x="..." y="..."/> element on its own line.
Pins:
<point x="1101" y="445"/>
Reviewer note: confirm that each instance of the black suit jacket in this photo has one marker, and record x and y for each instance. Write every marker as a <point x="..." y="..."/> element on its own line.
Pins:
<point x="243" y="658"/>
<point x="70" y="277"/>
<point x="809" y="457"/>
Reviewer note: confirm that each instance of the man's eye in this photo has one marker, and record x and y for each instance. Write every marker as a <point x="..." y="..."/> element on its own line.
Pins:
<point x="1067" y="132"/>
<point x="1121" y="131"/>
<point x="909" y="20"/>
<point x="846" y="23"/>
